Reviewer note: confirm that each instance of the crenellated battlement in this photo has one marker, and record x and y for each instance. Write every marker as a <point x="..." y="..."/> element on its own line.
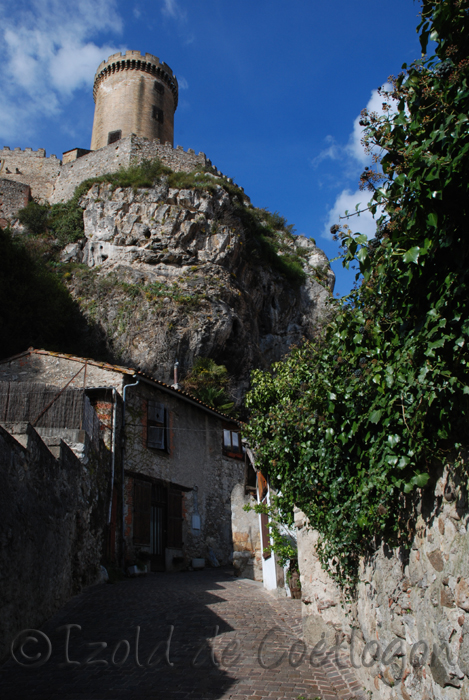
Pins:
<point x="135" y="61"/>
<point x="40" y="153"/>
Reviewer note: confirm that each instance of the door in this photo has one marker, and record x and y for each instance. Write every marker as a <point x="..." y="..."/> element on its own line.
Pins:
<point x="158" y="527"/>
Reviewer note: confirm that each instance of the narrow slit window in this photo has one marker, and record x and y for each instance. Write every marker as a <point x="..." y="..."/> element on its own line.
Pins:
<point x="157" y="114"/>
<point x="157" y="87"/>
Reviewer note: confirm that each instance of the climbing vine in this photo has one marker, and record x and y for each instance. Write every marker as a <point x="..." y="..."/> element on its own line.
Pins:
<point x="350" y="426"/>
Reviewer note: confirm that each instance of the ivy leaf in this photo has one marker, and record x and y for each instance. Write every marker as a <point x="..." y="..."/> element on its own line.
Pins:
<point x="412" y="255"/>
<point x="375" y="417"/>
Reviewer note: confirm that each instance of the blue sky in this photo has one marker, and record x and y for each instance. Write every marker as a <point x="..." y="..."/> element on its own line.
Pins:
<point x="270" y="90"/>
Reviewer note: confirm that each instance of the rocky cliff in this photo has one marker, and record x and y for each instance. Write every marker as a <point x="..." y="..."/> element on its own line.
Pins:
<point x="167" y="273"/>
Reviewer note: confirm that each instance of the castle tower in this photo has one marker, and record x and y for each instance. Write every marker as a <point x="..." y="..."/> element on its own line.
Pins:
<point x="133" y="94"/>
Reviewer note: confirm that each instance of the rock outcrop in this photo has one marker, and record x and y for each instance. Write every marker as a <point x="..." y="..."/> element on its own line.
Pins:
<point x="177" y="273"/>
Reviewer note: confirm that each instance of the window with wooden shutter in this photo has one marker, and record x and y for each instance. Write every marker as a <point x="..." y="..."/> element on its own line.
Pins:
<point x="175" y="518"/>
<point x="142" y="512"/>
<point x="156" y="426"/>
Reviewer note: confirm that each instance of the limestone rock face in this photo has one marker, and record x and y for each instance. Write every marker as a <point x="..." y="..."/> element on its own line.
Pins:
<point x="175" y="273"/>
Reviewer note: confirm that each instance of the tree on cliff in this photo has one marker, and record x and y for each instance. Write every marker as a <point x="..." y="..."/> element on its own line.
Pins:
<point x="349" y="428"/>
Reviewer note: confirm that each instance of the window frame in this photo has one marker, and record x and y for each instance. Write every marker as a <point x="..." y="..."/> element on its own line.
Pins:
<point x="159" y="410"/>
<point x="232" y="450"/>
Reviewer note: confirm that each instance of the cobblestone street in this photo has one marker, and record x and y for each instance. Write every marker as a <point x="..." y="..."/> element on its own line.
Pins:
<point x="201" y="635"/>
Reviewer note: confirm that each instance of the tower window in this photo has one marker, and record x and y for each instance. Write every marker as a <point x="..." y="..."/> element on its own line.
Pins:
<point x="157" y="114"/>
<point x="158" y="87"/>
<point x="114" y="136"/>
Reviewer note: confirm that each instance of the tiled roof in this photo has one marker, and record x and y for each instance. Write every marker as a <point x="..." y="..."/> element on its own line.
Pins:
<point x="124" y="370"/>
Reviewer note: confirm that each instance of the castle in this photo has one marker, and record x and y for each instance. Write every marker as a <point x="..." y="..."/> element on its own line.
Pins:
<point x="135" y="99"/>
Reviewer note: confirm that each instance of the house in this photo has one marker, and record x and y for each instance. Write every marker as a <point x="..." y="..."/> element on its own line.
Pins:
<point x="178" y="474"/>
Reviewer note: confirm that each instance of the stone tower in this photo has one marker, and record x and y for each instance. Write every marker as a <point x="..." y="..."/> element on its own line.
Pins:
<point x="133" y="94"/>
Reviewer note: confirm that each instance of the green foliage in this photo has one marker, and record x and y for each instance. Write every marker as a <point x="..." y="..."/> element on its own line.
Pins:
<point x="35" y="307"/>
<point x="348" y="429"/>
<point x="210" y="383"/>
<point x="283" y="544"/>
<point x="265" y="244"/>
<point x="34" y="217"/>
<point x="63" y="222"/>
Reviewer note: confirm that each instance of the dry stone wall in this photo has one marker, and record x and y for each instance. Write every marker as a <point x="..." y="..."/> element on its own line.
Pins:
<point x="407" y="632"/>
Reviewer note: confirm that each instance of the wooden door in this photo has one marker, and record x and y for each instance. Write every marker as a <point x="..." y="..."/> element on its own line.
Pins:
<point x="158" y="529"/>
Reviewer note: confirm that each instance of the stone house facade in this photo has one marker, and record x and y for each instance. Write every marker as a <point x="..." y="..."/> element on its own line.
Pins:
<point x="177" y="466"/>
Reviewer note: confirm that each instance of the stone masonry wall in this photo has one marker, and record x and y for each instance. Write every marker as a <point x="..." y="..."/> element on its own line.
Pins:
<point x="247" y="552"/>
<point x="31" y="168"/>
<point x="13" y="196"/>
<point x="120" y="155"/>
<point x="51" y="528"/>
<point x="52" y="181"/>
<point x="407" y="632"/>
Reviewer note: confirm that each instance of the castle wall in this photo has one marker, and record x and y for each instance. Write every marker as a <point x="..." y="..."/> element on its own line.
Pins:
<point x="134" y="94"/>
<point x="31" y="168"/>
<point x="120" y="155"/>
<point x="13" y="197"/>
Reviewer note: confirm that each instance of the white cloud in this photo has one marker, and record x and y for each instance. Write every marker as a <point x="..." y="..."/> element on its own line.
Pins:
<point x="172" y="9"/>
<point x="47" y="53"/>
<point x="353" y="152"/>
<point x="355" y="147"/>
<point x="347" y="201"/>
<point x="334" y="151"/>
<point x="182" y="82"/>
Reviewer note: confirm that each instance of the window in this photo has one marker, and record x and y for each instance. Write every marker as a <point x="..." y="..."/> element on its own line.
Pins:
<point x="232" y="442"/>
<point x="158" y="87"/>
<point x="114" y="136"/>
<point x="157" y="114"/>
<point x="157" y="427"/>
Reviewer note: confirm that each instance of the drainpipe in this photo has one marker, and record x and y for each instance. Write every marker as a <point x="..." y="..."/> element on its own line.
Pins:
<point x="113" y="449"/>
<point x="127" y="386"/>
<point x="175" y="385"/>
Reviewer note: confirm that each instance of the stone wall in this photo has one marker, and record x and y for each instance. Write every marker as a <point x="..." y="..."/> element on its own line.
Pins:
<point x="53" y="511"/>
<point x="247" y="551"/>
<point x="52" y="181"/>
<point x="13" y="197"/>
<point x="31" y="168"/>
<point x="407" y="632"/>
<point x="120" y="155"/>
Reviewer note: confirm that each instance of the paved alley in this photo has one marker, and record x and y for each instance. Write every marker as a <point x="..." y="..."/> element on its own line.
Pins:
<point x="194" y="635"/>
